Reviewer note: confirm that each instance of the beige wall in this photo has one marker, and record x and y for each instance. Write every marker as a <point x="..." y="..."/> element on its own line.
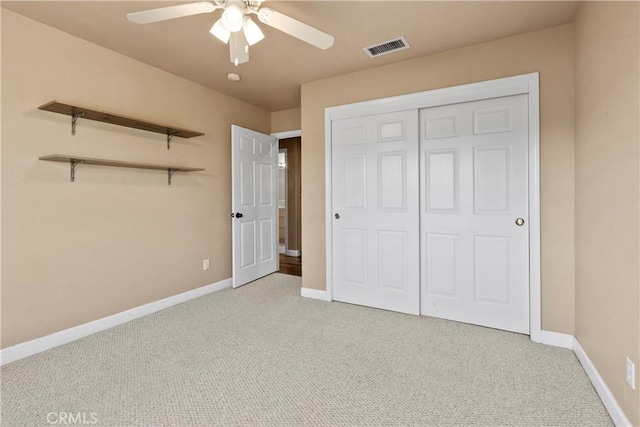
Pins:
<point x="549" y="52"/>
<point x="116" y="238"/>
<point x="607" y="192"/>
<point x="284" y="120"/>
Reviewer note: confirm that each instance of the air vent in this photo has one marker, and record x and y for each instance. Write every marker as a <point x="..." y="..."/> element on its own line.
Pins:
<point x="387" y="47"/>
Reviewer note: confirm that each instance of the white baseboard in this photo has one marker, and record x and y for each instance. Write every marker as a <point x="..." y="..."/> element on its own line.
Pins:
<point x="314" y="294"/>
<point x="557" y="339"/>
<point x="293" y="253"/>
<point x="570" y="342"/>
<point x="38" y="345"/>
<point x="615" y="411"/>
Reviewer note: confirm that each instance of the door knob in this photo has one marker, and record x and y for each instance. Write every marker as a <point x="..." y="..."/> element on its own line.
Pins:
<point x="337" y="216"/>
<point x="519" y="222"/>
<point x="239" y="215"/>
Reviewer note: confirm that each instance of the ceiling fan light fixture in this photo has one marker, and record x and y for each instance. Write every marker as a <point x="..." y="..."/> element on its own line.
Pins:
<point x="232" y="18"/>
<point x="220" y="31"/>
<point x="252" y="32"/>
<point x="235" y="26"/>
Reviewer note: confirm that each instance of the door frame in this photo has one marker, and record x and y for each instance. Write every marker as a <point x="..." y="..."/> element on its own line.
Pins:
<point x="516" y="85"/>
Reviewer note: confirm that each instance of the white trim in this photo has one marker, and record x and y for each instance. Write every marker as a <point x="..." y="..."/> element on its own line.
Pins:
<point x="535" y="303"/>
<point x="523" y="84"/>
<point x="432" y="98"/>
<point x="615" y="411"/>
<point x="557" y="339"/>
<point x="287" y="134"/>
<point x="56" y="339"/>
<point x="328" y="204"/>
<point x="314" y="294"/>
<point x="609" y="401"/>
<point x="293" y="253"/>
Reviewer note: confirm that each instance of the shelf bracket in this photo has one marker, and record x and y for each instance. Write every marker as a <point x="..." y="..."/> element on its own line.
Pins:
<point x="170" y="136"/>
<point x="73" y="164"/>
<point x="170" y="174"/>
<point x="74" y="119"/>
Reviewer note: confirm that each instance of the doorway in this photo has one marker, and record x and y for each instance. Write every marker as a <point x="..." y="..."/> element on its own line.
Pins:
<point x="290" y="203"/>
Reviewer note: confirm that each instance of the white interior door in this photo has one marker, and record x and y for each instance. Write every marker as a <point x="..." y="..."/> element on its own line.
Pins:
<point x="474" y="181"/>
<point x="376" y="213"/>
<point x="254" y="158"/>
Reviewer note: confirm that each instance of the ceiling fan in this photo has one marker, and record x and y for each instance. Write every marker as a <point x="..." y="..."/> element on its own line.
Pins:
<point x="235" y="27"/>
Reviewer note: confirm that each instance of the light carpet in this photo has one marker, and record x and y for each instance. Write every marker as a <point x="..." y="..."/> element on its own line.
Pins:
<point x="262" y="355"/>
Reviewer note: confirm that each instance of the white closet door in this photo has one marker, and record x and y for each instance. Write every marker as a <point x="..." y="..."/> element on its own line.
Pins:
<point x="376" y="211"/>
<point x="254" y="159"/>
<point x="474" y="213"/>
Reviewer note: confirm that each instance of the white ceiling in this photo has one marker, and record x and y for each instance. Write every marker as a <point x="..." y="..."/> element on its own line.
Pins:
<point x="279" y="64"/>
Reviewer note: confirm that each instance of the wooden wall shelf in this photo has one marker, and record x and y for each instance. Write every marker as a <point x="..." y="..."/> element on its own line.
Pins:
<point x="76" y="112"/>
<point x="74" y="161"/>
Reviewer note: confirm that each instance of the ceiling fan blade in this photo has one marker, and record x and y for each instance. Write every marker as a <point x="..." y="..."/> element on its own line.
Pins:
<point x="295" y="28"/>
<point x="238" y="48"/>
<point x="171" y="12"/>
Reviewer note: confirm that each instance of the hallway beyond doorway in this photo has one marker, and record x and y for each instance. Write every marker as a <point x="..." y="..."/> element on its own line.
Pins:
<point x="290" y="265"/>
